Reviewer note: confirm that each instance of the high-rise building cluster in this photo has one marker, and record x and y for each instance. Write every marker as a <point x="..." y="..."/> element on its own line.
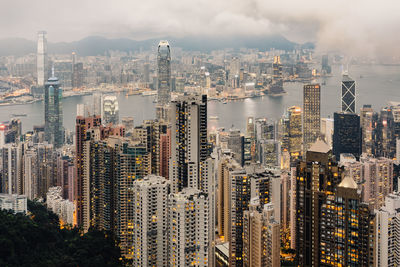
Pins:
<point x="300" y="191"/>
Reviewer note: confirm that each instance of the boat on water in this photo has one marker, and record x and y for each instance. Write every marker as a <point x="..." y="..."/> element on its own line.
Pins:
<point x="214" y="118"/>
<point x="18" y="115"/>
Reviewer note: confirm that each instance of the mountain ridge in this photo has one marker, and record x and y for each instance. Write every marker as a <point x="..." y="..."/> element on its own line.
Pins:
<point x="98" y="45"/>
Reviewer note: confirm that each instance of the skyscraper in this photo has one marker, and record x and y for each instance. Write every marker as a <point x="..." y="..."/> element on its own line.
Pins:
<point x="150" y="231"/>
<point x="188" y="228"/>
<point x="164" y="73"/>
<point x="366" y="118"/>
<point x="348" y="94"/>
<point x="189" y="144"/>
<point x="316" y="178"/>
<point x="387" y="233"/>
<point x="347" y="134"/>
<point x="295" y="132"/>
<point x="311" y="114"/>
<point x="346" y="230"/>
<point x="110" y="110"/>
<point x="83" y="125"/>
<point x="41" y="59"/>
<point x="261" y="236"/>
<point x="53" y="114"/>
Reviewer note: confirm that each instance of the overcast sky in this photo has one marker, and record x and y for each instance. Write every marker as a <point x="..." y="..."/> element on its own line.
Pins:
<point x="353" y="26"/>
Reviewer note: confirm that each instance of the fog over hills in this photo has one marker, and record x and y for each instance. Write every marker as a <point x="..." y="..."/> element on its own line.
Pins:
<point x="96" y="45"/>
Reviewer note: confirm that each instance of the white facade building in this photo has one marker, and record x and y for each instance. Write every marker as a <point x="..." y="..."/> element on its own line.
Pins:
<point x="188" y="228"/>
<point x="14" y="202"/>
<point x="150" y="229"/>
<point x="388" y="232"/>
<point x="62" y="207"/>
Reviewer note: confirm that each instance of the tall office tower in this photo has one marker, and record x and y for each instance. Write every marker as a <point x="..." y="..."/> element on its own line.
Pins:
<point x="77" y="75"/>
<point x="97" y="104"/>
<point x="236" y="145"/>
<point x="366" y="115"/>
<point x="188" y="228"/>
<point x="83" y="125"/>
<point x="316" y="178"/>
<point x="277" y="68"/>
<point x="164" y="73"/>
<point x="165" y="153"/>
<point x="150" y="217"/>
<point x="226" y="165"/>
<point x="250" y="128"/>
<point x="387" y="141"/>
<point x="189" y="144"/>
<point x="11" y="171"/>
<point x="283" y="132"/>
<point x="346" y="230"/>
<point x="348" y="94"/>
<point x="311" y="114"/>
<point x="41" y="64"/>
<point x="327" y="130"/>
<point x="347" y="134"/>
<point x="110" y="110"/>
<point x="53" y="114"/>
<point x="239" y="187"/>
<point x="295" y="132"/>
<point x="387" y="233"/>
<point x="261" y="236"/>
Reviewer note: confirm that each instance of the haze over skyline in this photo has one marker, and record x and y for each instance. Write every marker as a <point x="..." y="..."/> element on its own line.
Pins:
<point x="358" y="27"/>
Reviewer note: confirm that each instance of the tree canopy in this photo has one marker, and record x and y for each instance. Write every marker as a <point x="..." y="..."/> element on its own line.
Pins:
<point x="37" y="240"/>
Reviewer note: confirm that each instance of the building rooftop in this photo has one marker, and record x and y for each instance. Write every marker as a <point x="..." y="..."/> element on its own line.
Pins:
<point x="320" y="147"/>
<point x="348" y="182"/>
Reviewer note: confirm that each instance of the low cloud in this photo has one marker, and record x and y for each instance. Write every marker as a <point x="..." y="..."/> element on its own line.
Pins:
<point x="355" y="27"/>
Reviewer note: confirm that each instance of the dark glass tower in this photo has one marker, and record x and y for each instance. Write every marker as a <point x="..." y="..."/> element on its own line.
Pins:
<point x="164" y="73"/>
<point x="348" y="94"/>
<point x="316" y="179"/>
<point x="347" y="134"/>
<point x="347" y="227"/>
<point x="311" y="114"/>
<point x="53" y="115"/>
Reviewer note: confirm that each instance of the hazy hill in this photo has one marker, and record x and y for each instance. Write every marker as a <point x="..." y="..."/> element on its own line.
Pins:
<point x="95" y="45"/>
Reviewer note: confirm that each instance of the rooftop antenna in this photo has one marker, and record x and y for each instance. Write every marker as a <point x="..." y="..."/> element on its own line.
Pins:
<point x="52" y="70"/>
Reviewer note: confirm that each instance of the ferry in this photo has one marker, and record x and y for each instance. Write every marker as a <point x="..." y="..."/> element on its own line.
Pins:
<point x="214" y="118"/>
<point x="19" y="115"/>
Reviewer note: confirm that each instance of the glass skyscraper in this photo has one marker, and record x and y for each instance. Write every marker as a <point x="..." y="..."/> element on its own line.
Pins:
<point x="312" y="114"/>
<point x="53" y="114"/>
<point x="348" y="94"/>
<point x="41" y="63"/>
<point x="164" y="72"/>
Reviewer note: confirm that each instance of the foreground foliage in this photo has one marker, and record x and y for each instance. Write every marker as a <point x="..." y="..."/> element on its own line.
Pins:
<point x="37" y="240"/>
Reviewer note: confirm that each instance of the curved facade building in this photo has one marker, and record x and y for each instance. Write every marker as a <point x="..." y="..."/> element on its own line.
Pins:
<point x="164" y="73"/>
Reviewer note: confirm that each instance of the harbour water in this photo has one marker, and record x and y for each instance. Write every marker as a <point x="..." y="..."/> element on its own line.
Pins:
<point x="375" y="84"/>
